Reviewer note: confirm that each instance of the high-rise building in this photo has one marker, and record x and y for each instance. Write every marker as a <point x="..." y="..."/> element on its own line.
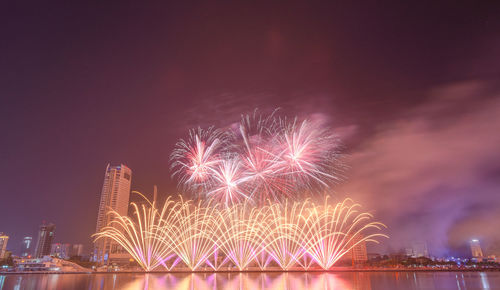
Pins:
<point x="475" y="249"/>
<point x="359" y="254"/>
<point x="26" y="246"/>
<point x="76" y="250"/>
<point x="114" y="195"/>
<point x="3" y="245"/>
<point x="44" y="242"/>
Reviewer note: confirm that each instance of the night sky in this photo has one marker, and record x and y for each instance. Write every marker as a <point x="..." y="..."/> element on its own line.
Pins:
<point x="411" y="87"/>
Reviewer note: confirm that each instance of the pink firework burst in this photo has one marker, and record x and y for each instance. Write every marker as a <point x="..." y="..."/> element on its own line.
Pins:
<point x="195" y="159"/>
<point x="229" y="182"/>
<point x="262" y="158"/>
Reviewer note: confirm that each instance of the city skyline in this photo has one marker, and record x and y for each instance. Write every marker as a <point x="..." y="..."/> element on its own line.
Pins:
<point x="116" y="183"/>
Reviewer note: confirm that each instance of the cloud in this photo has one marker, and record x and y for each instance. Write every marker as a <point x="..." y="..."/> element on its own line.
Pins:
<point x="430" y="174"/>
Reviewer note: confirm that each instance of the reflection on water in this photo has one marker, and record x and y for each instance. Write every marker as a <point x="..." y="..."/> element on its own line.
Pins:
<point x="256" y="281"/>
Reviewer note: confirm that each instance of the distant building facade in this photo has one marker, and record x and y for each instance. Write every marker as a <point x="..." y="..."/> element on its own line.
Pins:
<point x="418" y="249"/>
<point x="475" y="249"/>
<point x="76" y="250"/>
<point x="46" y="235"/>
<point x="359" y="254"/>
<point x="61" y="251"/>
<point x="3" y="245"/>
<point x="26" y="246"/>
<point x="115" y="195"/>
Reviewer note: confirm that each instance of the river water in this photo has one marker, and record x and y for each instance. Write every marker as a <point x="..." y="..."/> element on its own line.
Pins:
<point x="256" y="281"/>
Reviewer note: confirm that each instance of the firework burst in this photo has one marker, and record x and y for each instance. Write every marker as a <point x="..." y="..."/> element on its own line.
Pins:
<point x="309" y="153"/>
<point x="196" y="159"/>
<point x="263" y="157"/>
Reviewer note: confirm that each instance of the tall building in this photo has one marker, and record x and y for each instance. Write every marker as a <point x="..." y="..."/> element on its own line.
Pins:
<point x="44" y="241"/>
<point x="3" y="245"/>
<point x="114" y="195"/>
<point x="359" y="254"/>
<point x="26" y="246"/>
<point x="60" y="250"/>
<point x="475" y="249"/>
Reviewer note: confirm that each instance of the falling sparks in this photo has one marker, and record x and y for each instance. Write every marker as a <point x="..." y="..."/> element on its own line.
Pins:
<point x="292" y="234"/>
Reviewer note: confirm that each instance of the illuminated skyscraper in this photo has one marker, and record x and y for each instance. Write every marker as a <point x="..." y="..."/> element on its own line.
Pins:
<point x="475" y="249"/>
<point x="3" y="244"/>
<point x="114" y="195"/>
<point x="44" y="242"/>
<point x="26" y="246"/>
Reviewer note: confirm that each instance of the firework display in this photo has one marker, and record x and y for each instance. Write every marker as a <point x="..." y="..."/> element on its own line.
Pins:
<point x="190" y="235"/>
<point x="246" y="181"/>
<point x="260" y="158"/>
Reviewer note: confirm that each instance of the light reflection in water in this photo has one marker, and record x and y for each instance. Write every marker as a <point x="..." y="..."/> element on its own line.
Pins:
<point x="484" y="281"/>
<point x="255" y="281"/>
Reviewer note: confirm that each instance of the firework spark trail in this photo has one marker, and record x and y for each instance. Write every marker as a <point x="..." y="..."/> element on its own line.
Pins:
<point x="334" y="231"/>
<point x="240" y="233"/>
<point x="288" y="233"/>
<point x="284" y="240"/>
<point x="264" y="158"/>
<point x="188" y="232"/>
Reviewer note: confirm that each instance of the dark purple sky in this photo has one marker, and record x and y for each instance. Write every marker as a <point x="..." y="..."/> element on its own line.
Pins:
<point x="413" y="88"/>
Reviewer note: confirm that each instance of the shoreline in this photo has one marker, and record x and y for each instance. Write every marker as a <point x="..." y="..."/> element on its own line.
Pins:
<point x="255" y="271"/>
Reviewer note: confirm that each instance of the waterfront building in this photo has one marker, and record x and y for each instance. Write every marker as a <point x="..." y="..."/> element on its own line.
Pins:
<point x="359" y="254"/>
<point x="35" y="264"/>
<point x="26" y="246"/>
<point x="47" y="264"/>
<point x="60" y="250"/>
<point x="115" y="195"/>
<point x="45" y="238"/>
<point x="3" y="245"/>
<point x="475" y="249"/>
